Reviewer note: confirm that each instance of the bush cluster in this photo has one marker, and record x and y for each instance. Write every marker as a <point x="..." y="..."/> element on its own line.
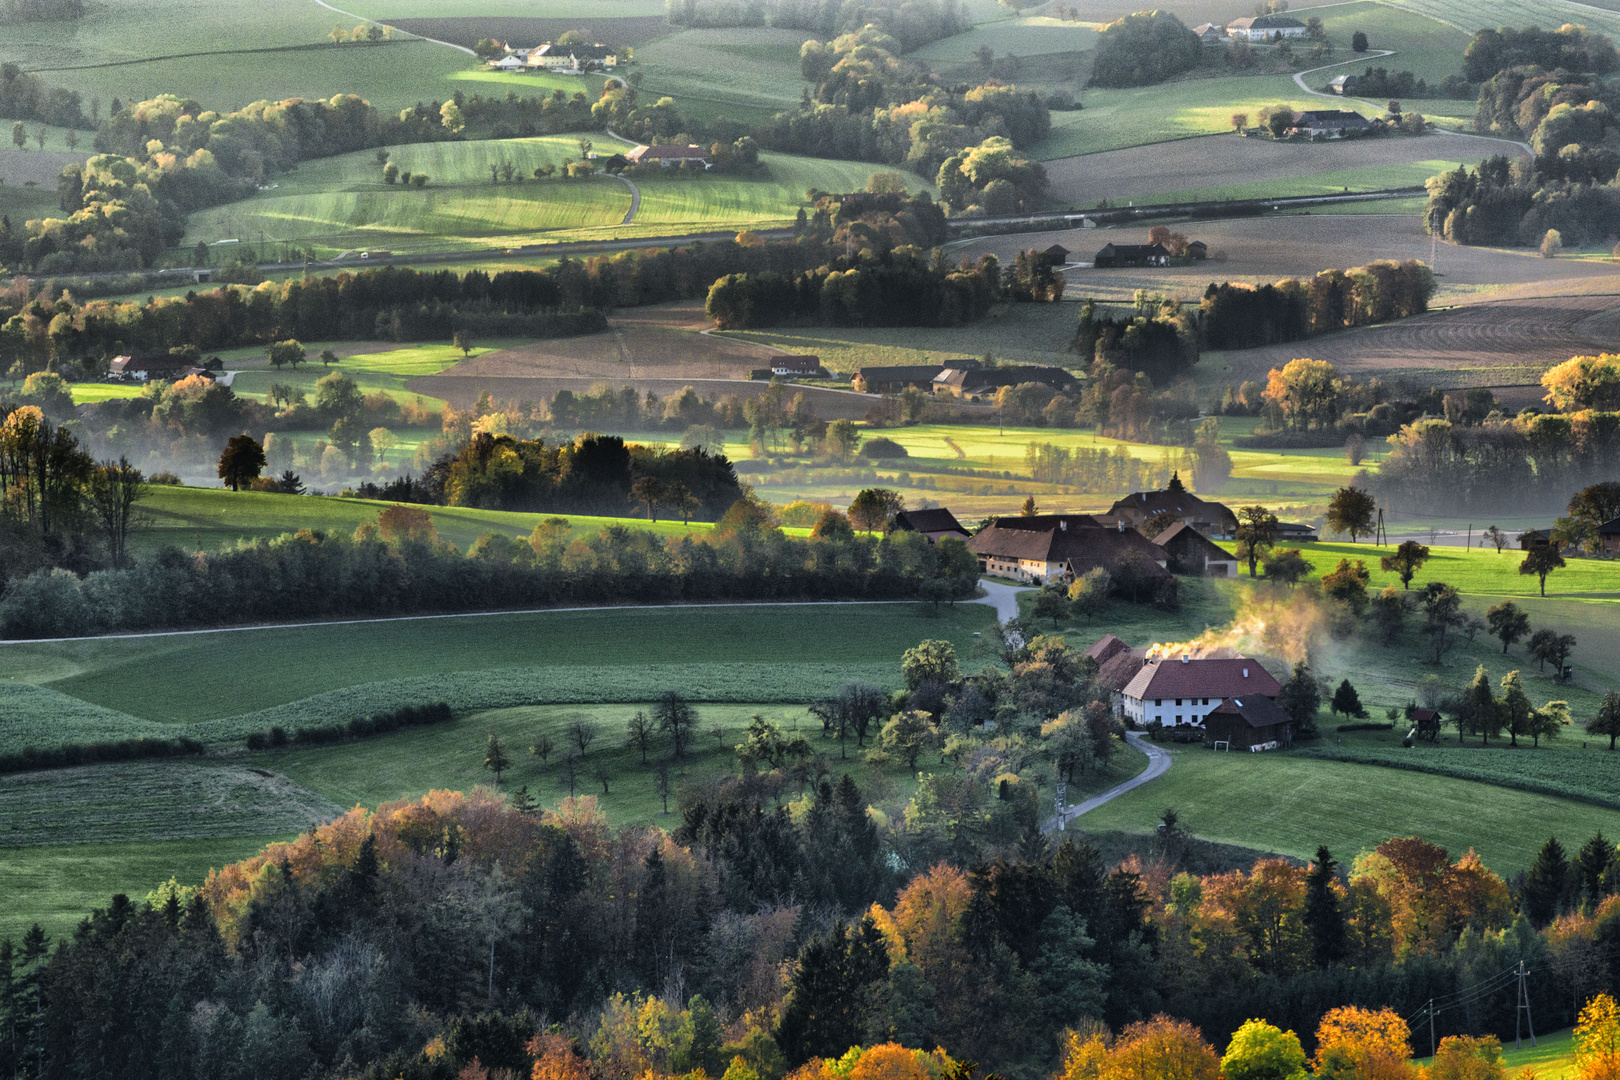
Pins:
<point x="61" y="757"/>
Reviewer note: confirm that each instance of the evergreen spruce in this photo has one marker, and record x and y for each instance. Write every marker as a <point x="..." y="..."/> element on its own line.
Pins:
<point x="1323" y="917"/>
<point x="1544" y="884"/>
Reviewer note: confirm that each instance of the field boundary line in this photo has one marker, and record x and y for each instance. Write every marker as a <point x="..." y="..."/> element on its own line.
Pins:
<point x="308" y="47"/>
<point x="452" y="615"/>
<point x="376" y="22"/>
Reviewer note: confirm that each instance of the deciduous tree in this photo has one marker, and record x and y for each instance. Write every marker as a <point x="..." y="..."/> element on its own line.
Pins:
<point x="1351" y="511"/>
<point x="1507" y="623"/>
<point x="1541" y="561"/>
<point x="1256" y="535"/>
<point x="1406" y="561"/>
<point x="241" y="462"/>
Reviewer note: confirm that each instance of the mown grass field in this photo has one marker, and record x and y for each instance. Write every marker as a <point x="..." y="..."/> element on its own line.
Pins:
<point x="171" y="680"/>
<point x="387" y="371"/>
<point x="746" y="73"/>
<point x="1031" y="36"/>
<point x="1290" y="804"/>
<point x="341" y="203"/>
<point x="1599" y="17"/>
<point x="1375" y="178"/>
<point x="1427" y="47"/>
<point x="1480" y="572"/>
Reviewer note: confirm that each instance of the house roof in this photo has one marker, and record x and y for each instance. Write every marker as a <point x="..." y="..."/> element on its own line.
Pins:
<point x="1211" y="677"/>
<point x="1609" y="528"/>
<point x="1106" y="648"/>
<point x="989" y="378"/>
<point x="796" y="362"/>
<point x="1329" y="118"/>
<point x="1204" y="29"/>
<point x="1342" y="80"/>
<point x="1118" y="670"/>
<point x="1258" y="711"/>
<point x="900" y="373"/>
<point x="1134" y="249"/>
<point x="656" y="153"/>
<point x="1265" y="22"/>
<point x="1420" y="715"/>
<point x="1147" y="503"/>
<point x="933" y="520"/>
<point x="583" y="52"/>
<point x="1057" y="251"/>
<point x="1188" y="540"/>
<point x="1074" y="539"/>
<point x="1296" y="529"/>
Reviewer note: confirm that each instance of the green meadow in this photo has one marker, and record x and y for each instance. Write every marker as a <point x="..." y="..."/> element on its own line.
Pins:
<point x="1371" y="178"/>
<point x="341" y="203"/>
<point x="386" y="371"/>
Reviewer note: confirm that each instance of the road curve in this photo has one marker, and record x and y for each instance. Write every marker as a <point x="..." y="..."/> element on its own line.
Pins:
<point x="635" y="197"/>
<point x="1002" y="597"/>
<point x="1158" y="765"/>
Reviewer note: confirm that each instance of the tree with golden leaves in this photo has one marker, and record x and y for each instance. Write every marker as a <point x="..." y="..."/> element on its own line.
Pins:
<point x="1360" y="1044"/>
<point x="1163" y="1048"/>
<point x="1597" y="1040"/>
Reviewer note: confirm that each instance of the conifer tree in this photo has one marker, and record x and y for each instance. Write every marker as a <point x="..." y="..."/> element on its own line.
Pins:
<point x="1323" y="917"/>
<point x="1544" y="884"/>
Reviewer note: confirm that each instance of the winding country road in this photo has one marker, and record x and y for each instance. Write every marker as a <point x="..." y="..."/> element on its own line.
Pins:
<point x="1158" y="765"/>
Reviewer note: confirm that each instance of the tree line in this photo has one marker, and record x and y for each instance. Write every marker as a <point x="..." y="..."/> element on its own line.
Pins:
<point x="912" y="23"/>
<point x="1238" y="316"/>
<point x="900" y="288"/>
<point x="397" y="565"/>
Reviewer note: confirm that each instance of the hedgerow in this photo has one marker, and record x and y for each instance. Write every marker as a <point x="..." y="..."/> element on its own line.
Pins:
<point x="360" y="727"/>
<point x="37" y="718"/>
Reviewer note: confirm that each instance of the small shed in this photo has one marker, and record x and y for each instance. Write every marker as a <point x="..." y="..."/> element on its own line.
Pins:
<point x="1197" y="249"/>
<point x="1113" y="255"/>
<point x="936" y="523"/>
<point x="1058" y="254"/>
<point x="1535" y="538"/>
<point x="1344" y="84"/>
<point x="1251" y="723"/>
<point x="788" y="364"/>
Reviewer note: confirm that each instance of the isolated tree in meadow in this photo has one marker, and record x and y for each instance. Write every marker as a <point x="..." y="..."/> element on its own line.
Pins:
<point x="382" y="441"/>
<point x="1442" y="616"/>
<point x="1301" y="698"/>
<point x="289" y="352"/>
<point x="19" y="135"/>
<point x="463" y="341"/>
<point x="1555" y="649"/>
<point x="542" y="747"/>
<point x="1358" y="41"/>
<point x="1256" y="535"/>
<point x="1551" y="244"/>
<point x="582" y="732"/>
<point x="1495" y="537"/>
<point x="241" y="462"/>
<point x="1240" y="120"/>
<point x="570" y="770"/>
<point x="1407" y="560"/>
<point x="328" y="357"/>
<point x="1548" y="722"/>
<point x="1029" y="509"/>
<point x="1517" y="711"/>
<point x="638" y="734"/>
<point x="842" y="439"/>
<point x="679" y="498"/>
<point x="649" y="491"/>
<point x="1288" y="567"/>
<point x="603" y="775"/>
<point x="495" y="759"/>
<point x="1606" y="721"/>
<point x="1507" y="623"/>
<point x="1346" y="701"/>
<point x="662" y="783"/>
<point x="1351" y="511"/>
<point x="1541" y="561"/>
<point x="675" y="717"/>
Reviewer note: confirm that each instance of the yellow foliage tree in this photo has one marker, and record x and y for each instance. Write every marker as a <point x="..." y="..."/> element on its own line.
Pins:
<point x="1597" y="1040"/>
<point x="889" y="1061"/>
<point x="1584" y="382"/>
<point x="1360" y="1044"/>
<point x="1462" y="1057"/>
<point x="1162" y="1048"/>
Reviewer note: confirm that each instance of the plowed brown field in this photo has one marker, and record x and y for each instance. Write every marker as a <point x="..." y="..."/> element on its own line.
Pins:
<point x="654" y="348"/>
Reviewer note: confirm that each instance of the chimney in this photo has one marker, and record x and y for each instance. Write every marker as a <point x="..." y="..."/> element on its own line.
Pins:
<point x="1063" y="526"/>
<point x="1121" y="524"/>
<point x="1245" y="673"/>
<point x="1184" y="659"/>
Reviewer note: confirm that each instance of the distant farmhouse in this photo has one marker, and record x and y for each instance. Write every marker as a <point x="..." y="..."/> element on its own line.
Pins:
<point x="975" y="381"/>
<point x="1049" y="547"/>
<point x="572" y="59"/>
<point x="1113" y="255"/>
<point x="1180" y="692"/>
<point x="668" y="155"/>
<point x="1265" y="28"/>
<point x="1329" y="123"/>
<point x="1193" y="553"/>
<point x="1209" y="518"/>
<point x="894" y="378"/>
<point x="161" y="366"/>
<point x="1209" y="33"/>
<point x="801" y="365"/>
<point x="1343" y="84"/>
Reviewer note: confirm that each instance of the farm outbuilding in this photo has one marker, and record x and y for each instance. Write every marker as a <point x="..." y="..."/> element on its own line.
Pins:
<point x="1058" y="254"/>
<point x="668" y="155"/>
<point x="1182" y="691"/>
<point x="1344" y="84"/>
<point x="1113" y="255"/>
<point x="1265" y="28"/>
<point x="1192" y="553"/>
<point x="1209" y="33"/>
<point x="936" y="523"/>
<point x="1329" y="123"/>
<point x="788" y="364"/>
<point x="1249" y="723"/>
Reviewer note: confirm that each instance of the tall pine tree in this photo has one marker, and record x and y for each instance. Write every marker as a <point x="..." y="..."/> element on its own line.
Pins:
<point x="1544" y="884"/>
<point x="1323" y="917"/>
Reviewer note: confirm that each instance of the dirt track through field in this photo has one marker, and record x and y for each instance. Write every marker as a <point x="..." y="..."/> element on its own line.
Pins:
<point x="1218" y="160"/>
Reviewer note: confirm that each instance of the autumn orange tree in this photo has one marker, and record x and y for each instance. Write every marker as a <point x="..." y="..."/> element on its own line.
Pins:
<point x="1597" y="1040"/>
<point x="1353" y="1043"/>
<point x="1163" y="1048"/>
<point x="1431" y="899"/>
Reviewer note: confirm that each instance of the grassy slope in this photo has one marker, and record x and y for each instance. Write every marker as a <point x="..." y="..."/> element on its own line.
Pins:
<point x="746" y="73"/>
<point x="169" y="679"/>
<point x="385" y="371"/>
<point x="1291" y="804"/>
<point x="1033" y="36"/>
<point x="340" y="203"/>
<point x="1480" y="572"/>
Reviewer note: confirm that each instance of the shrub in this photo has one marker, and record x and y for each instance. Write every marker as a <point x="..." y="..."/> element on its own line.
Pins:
<point x="359" y="727"/>
<point x="882" y="448"/>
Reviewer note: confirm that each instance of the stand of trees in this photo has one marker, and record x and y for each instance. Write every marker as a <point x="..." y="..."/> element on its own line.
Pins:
<point x="901" y="288"/>
<point x="1145" y="48"/>
<point x="1544" y="87"/>
<point x="1236" y="316"/>
<point x="870" y="105"/>
<point x="28" y="97"/>
<point x="1159" y="339"/>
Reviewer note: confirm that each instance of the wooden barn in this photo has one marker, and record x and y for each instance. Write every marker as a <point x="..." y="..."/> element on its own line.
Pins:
<point x="1252" y="723"/>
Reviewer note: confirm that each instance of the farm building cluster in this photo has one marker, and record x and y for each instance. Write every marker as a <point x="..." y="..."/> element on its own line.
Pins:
<point x="1263" y="28"/>
<point x="572" y="59"/>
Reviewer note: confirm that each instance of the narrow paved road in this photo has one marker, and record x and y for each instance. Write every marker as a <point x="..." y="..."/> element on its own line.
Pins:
<point x="1002" y="597"/>
<point x="635" y="198"/>
<point x="362" y="18"/>
<point x="1158" y="765"/>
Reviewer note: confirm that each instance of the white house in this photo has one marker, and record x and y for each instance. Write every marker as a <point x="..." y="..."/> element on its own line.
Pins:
<point x="1265" y="28"/>
<point x="509" y="62"/>
<point x="1180" y="691"/>
<point x="572" y="59"/>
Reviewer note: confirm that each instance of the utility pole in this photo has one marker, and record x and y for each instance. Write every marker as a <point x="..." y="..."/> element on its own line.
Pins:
<point x="1381" y="538"/>
<point x="1522" y="1013"/>
<point x="1432" y="1044"/>
<point x="1062" y="791"/>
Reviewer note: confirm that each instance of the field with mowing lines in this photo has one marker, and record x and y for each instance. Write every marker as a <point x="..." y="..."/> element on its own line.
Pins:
<point x="206" y="518"/>
<point x="169" y="679"/>
<point x="1599" y="17"/>
<point x="388" y="370"/>
<point x="1483" y="572"/>
<point x="746" y="73"/>
<point x="1290" y="804"/>
<point x="1428" y="48"/>
<point x="341" y="203"/>
<point x="1032" y="36"/>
